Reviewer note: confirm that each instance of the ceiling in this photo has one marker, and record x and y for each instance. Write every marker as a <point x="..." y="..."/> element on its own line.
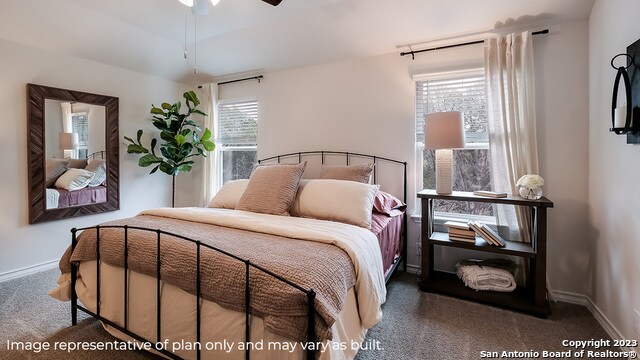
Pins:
<point x="249" y="35"/>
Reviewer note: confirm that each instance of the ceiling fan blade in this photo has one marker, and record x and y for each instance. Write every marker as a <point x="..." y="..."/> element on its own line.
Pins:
<point x="273" y="2"/>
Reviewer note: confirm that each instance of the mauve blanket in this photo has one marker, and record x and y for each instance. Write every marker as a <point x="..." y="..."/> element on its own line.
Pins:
<point x="326" y="268"/>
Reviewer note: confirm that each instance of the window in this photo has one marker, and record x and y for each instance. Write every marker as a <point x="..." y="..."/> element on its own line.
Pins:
<point x="457" y="91"/>
<point x="237" y="139"/>
<point x="80" y="126"/>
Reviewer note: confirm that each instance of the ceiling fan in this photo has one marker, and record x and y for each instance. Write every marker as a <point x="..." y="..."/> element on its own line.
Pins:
<point x="201" y="7"/>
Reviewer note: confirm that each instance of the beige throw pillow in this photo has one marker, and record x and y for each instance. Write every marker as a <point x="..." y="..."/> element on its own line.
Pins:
<point x="272" y="189"/>
<point x="229" y="195"/>
<point x="74" y="179"/>
<point x="348" y="202"/>
<point x="53" y="169"/>
<point x="358" y="173"/>
<point x="77" y="163"/>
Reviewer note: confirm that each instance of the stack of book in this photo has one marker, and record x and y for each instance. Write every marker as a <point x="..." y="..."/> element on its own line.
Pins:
<point x="486" y="233"/>
<point x="459" y="231"/>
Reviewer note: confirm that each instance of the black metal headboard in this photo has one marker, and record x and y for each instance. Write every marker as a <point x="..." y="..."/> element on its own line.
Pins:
<point x="348" y="156"/>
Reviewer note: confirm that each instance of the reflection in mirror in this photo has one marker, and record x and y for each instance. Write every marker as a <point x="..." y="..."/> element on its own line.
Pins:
<point x="75" y="148"/>
<point x="73" y="157"/>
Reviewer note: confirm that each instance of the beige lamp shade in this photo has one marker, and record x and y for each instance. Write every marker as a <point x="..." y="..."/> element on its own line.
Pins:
<point x="68" y="141"/>
<point x="444" y="130"/>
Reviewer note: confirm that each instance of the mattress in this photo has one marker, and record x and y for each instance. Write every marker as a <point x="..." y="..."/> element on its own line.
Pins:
<point x="85" y="196"/>
<point x="388" y="230"/>
<point x="178" y="320"/>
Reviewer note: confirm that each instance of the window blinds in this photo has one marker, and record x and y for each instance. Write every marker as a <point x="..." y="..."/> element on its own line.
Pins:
<point x="80" y="126"/>
<point x="465" y="93"/>
<point x="238" y="123"/>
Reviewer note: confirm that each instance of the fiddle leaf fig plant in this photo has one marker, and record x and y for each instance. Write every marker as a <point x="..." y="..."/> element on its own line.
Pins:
<point x="181" y="139"/>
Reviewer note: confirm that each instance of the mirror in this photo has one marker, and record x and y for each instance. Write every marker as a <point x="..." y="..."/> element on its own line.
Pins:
<point x="73" y="153"/>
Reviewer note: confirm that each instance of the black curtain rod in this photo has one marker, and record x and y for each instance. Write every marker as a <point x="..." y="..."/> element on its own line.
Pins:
<point x="259" y="77"/>
<point x="414" y="52"/>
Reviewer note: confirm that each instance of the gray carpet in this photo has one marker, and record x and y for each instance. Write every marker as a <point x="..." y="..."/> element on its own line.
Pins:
<point x="416" y="325"/>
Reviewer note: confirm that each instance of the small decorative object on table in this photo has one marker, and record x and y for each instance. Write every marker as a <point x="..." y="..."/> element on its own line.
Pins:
<point x="530" y="186"/>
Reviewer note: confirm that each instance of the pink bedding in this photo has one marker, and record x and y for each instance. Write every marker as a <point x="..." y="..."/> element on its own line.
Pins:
<point x="86" y="196"/>
<point x="388" y="230"/>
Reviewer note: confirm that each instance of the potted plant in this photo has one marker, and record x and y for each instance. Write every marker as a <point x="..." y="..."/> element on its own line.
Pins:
<point x="182" y="140"/>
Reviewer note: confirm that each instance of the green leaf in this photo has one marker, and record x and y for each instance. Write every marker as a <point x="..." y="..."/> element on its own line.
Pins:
<point x="129" y="139"/>
<point x="156" y="111"/>
<point x="208" y="145"/>
<point x="154" y="141"/>
<point x="184" y="167"/>
<point x="191" y="96"/>
<point x="180" y="139"/>
<point x="186" y="132"/>
<point x="167" y="136"/>
<point x="166" y="168"/>
<point x="166" y="106"/>
<point x="196" y="138"/>
<point x="154" y="169"/>
<point x="198" y="112"/>
<point x="206" y="135"/>
<point x="136" y="149"/>
<point x="160" y="125"/>
<point x="149" y="159"/>
<point x="139" y="135"/>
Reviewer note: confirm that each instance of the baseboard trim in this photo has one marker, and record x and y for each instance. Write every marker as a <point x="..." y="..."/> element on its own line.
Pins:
<point x="13" y="274"/>
<point x="579" y="299"/>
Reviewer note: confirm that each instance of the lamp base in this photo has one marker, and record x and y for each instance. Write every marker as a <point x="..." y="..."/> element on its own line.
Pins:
<point x="444" y="178"/>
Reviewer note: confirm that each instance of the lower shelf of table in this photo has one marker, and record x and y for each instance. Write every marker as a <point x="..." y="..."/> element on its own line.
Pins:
<point x="519" y="299"/>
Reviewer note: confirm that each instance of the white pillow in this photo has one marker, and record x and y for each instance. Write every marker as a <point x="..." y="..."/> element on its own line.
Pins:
<point x="335" y="200"/>
<point x="74" y="179"/>
<point x="99" y="168"/>
<point x="229" y="195"/>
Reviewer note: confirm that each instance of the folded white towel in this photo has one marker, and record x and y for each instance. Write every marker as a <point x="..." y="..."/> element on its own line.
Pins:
<point x="486" y="278"/>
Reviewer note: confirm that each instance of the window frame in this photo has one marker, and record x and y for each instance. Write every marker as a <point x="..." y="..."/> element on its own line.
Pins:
<point x="220" y="148"/>
<point x="439" y="216"/>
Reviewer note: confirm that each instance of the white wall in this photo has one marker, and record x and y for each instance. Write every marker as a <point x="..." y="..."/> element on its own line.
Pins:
<point x="367" y="105"/>
<point x="21" y="244"/>
<point x="614" y="175"/>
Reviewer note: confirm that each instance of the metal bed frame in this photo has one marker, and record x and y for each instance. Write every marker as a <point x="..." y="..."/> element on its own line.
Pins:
<point x="124" y="328"/>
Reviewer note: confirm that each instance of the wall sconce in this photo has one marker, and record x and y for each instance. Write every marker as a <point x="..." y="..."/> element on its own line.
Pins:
<point x="625" y="120"/>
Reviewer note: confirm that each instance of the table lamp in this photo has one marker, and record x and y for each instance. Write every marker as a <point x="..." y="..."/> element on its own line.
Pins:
<point x="68" y="141"/>
<point x="444" y="131"/>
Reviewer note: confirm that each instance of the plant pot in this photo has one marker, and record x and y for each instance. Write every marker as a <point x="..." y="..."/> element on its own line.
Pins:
<point x="530" y="193"/>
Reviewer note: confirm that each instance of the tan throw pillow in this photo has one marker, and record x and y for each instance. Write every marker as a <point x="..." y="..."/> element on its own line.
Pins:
<point x="74" y="179"/>
<point x="229" y="195"/>
<point x="77" y="163"/>
<point x="357" y="173"/>
<point x="53" y="169"/>
<point x="272" y="189"/>
<point x="347" y="202"/>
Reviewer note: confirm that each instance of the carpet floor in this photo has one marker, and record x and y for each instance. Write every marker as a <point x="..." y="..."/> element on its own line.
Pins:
<point x="416" y="325"/>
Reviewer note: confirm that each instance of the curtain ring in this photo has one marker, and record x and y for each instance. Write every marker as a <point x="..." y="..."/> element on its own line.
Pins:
<point x="625" y="67"/>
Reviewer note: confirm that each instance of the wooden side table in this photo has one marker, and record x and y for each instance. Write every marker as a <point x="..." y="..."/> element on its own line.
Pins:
<point x="531" y="298"/>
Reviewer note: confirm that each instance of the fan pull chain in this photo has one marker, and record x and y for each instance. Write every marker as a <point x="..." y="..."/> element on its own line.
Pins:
<point x="185" y="35"/>
<point x="195" y="45"/>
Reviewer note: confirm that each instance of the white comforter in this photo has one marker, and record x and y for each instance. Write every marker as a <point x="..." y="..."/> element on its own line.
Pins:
<point x="360" y="244"/>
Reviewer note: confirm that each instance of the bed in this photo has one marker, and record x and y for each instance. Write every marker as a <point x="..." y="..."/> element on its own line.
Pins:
<point x="76" y="189"/>
<point x="60" y="198"/>
<point x="239" y="284"/>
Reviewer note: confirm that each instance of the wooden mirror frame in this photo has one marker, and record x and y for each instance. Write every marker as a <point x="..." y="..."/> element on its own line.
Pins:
<point x="36" y="154"/>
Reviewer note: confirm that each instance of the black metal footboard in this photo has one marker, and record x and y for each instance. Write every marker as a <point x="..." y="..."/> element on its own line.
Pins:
<point x="311" y="334"/>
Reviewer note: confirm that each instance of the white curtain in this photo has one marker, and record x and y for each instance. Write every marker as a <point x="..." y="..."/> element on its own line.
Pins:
<point x="67" y="126"/>
<point x="512" y="120"/>
<point x="512" y="126"/>
<point x="209" y="176"/>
